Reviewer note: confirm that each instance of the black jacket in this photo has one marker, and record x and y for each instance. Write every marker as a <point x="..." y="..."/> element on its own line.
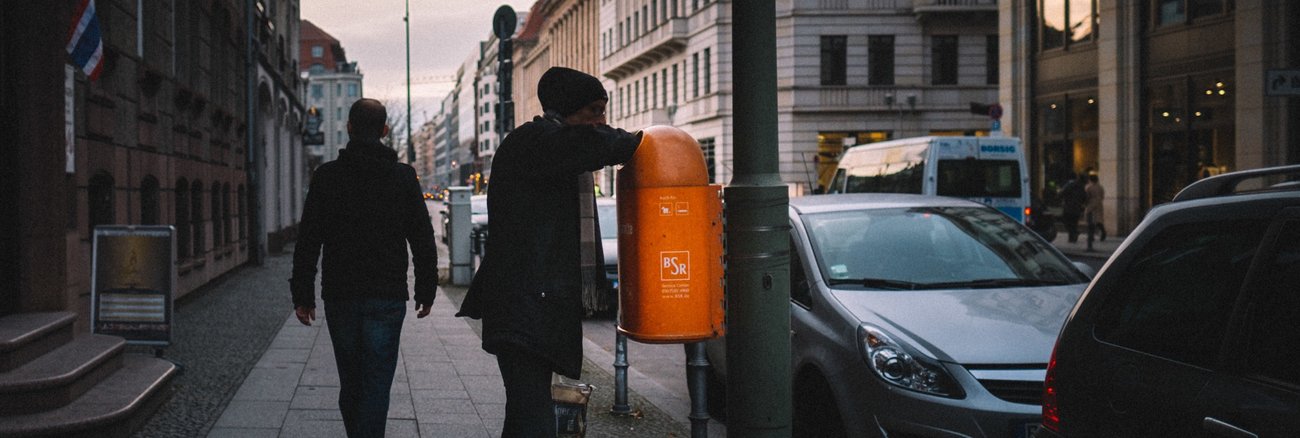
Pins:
<point x="527" y="290"/>
<point x="364" y="209"/>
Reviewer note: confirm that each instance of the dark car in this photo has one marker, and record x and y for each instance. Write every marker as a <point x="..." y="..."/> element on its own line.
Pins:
<point x="1190" y="328"/>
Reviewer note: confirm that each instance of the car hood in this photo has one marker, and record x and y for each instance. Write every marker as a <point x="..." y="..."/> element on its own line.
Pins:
<point x="970" y="326"/>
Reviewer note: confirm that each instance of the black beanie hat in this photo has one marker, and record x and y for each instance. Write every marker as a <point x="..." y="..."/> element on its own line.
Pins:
<point x="565" y="90"/>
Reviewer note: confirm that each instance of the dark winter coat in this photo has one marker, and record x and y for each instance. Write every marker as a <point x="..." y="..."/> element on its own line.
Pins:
<point x="363" y="210"/>
<point x="1073" y="199"/>
<point x="527" y="290"/>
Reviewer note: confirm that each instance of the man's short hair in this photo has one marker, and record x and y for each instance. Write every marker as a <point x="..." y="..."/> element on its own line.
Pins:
<point x="367" y="118"/>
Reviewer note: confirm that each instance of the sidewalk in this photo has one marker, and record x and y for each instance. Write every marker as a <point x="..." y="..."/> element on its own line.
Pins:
<point x="1100" y="249"/>
<point x="445" y="386"/>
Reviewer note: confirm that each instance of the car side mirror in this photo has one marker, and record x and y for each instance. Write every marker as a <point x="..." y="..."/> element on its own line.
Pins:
<point x="1085" y="269"/>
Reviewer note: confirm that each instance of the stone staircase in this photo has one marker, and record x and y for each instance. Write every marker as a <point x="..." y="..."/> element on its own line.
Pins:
<point x="54" y="382"/>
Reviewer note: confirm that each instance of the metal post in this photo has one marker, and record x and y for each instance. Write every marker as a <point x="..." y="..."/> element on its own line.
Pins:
<point x="458" y="211"/>
<point x="620" y="376"/>
<point x="697" y="374"/>
<point x="758" y="260"/>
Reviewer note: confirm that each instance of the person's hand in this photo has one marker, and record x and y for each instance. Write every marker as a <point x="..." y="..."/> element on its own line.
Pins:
<point x="305" y="314"/>
<point x="422" y="310"/>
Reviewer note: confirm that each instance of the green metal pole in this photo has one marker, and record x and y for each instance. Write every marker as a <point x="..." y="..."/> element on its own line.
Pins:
<point x="758" y="249"/>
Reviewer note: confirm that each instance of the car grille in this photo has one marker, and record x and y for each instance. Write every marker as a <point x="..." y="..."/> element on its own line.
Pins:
<point x="1016" y="391"/>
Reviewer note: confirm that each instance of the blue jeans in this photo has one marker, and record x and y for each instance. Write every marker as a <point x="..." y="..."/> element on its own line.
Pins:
<point x="366" y="333"/>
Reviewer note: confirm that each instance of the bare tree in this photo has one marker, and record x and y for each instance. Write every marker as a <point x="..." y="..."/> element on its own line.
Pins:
<point x="396" y="138"/>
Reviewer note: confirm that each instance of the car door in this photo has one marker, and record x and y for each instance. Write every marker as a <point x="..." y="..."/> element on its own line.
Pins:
<point x="1258" y="394"/>
<point x="1161" y="327"/>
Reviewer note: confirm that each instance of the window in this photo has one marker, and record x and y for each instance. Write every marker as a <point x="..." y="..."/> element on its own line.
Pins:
<point x="674" y="84"/>
<point x="243" y="212"/>
<point x="317" y="51"/>
<point x="1169" y="12"/>
<point x="991" y="59"/>
<point x="708" y="146"/>
<point x="645" y="95"/>
<point x="1273" y="327"/>
<point x="880" y="60"/>
<point x="1175" y="298"/>
<point x="225" y="212"/>
<point x="317" y="91"/>
<point x="338" y="113"/>
<point x="316" y="68"/>
<point x="196" y="216"/>
<point x="100" y="193"/>
<point x="353" y="90"/>
<point x="708" y="75"/>
<point x="654" y="90"/>
<point x="695" y="75"/>
<point x="149" y="202"/>
<point x="663" y="78"/>
<point x="943" y="60"/>
<point x="217" y="222"/>
<point x="182" y="222"/>
<point x="834" y="59"/>
<point x="338" y="89"/>
<point x="1064" y="22"/>
<point x="965" y="178"/>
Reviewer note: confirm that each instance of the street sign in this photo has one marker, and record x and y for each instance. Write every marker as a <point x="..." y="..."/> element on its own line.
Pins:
<point x="133" y="274"/>
<point x="1282" y="83"/>
<point x="504" y="22"/>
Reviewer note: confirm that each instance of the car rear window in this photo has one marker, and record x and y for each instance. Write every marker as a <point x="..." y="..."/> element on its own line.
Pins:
<point x="1175" y="298"/>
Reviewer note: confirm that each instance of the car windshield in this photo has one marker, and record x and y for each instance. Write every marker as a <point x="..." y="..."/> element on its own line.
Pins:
<point x="608" y="216"/>
<point x="932" y="248"/>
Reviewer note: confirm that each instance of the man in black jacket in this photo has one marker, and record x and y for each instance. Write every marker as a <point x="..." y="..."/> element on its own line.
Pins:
<point x="364" y="209"/>
<point x="528" y="289"/>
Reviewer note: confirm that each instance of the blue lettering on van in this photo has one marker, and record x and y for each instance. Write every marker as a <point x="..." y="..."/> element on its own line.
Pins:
<point x="998" y="148"/>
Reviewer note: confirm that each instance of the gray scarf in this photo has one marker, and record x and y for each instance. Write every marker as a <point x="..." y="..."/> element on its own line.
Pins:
<point x="594" y="285"/>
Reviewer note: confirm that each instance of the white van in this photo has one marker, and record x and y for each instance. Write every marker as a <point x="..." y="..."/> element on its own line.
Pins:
<point x="990" y="170"/>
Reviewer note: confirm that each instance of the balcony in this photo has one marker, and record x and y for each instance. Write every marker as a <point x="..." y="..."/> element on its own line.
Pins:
<point x="650" y="48"/>
<point x="931" y="8"/>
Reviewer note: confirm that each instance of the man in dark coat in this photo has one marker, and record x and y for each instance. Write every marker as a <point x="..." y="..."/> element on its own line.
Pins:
<point x="1073" y="200"/>
<point x="528" y="289"/>
<point x="364" y="209"/>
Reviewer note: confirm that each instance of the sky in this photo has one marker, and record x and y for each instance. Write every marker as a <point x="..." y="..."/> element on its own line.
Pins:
<point x="444" y="33"/>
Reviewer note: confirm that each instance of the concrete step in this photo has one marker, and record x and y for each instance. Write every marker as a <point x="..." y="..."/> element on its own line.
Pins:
<point x="26" y="336"/>
<point x="117" y="406"/>
<point x="60" y="376"/>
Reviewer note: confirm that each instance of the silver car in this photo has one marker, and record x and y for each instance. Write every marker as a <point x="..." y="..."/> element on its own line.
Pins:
<point x="919" y="316"/>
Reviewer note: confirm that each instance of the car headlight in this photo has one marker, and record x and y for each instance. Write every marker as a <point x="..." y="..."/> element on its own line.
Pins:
<point x="892" y="362"/>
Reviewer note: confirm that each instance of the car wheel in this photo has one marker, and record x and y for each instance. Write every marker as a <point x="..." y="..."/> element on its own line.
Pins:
<point x="815" y="412"/>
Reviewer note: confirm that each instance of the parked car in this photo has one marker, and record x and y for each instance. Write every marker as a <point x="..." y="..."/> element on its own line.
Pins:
<point x="607" y="215"/>
<point x="478" y="216"/>
<point x="1189" y="329"/>
<point x="918" y="315"/>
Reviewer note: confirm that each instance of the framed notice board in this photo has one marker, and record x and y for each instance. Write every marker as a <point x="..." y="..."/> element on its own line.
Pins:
<point x="133" y="280"/>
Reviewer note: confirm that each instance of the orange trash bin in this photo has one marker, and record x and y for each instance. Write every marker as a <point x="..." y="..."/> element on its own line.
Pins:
<point x="669" y="242"/>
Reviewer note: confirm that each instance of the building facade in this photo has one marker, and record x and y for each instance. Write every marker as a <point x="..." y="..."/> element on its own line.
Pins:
<point x="277" y="147"/>
<point x="667" y="61"/>
<point x="333" y="85"/>
<point x="1152" y="95"/>
<point x="161" y="137"/>
<point x="856" y="71"/>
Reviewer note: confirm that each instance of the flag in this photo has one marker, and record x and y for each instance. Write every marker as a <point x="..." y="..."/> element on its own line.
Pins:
<point x="85" y="43"/>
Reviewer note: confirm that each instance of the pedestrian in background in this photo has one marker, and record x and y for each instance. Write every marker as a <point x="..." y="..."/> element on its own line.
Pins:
<point x="543" y="246"/>
<point x="1094" y="211"/>
<point x="363" y="210"/>
<point x="1074" y="199"/>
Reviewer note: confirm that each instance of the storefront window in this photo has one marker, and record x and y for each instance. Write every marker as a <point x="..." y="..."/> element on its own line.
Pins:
<point x="1191" y="132"/>
<point x="1067" y="142"/>
<point x="1062" y="21"/>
